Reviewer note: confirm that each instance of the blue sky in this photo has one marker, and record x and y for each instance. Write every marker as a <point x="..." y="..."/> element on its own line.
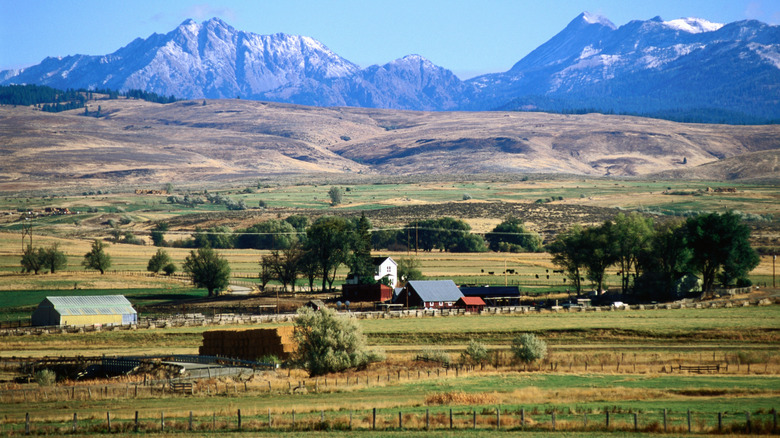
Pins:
<point x="469" y="37"/>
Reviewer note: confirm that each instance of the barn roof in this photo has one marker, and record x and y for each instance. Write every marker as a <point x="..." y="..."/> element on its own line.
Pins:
<point x="436" y="290"/>
<point x="491" y="291"/>
<point x="90" y="305"/>
<point x="472" y="301"/>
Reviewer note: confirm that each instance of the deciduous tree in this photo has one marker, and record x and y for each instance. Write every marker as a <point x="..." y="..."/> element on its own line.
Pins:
<point x="97" y="258"/>
<point x="207" y="269"/>
<point x="721" y="247"/>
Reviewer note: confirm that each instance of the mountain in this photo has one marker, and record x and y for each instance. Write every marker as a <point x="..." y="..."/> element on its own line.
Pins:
<point x="685" y="69"/>
<point x="651" y="67"/>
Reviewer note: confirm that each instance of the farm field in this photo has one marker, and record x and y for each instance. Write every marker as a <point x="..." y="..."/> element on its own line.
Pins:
<point x="616" y="361"/>
<point x="643" y="342"/>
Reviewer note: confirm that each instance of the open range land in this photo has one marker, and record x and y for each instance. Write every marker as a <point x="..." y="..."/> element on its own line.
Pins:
<point x="393" y="167"/>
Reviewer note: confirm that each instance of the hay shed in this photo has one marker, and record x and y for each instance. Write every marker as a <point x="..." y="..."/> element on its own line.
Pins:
<point x="85" y="310"/>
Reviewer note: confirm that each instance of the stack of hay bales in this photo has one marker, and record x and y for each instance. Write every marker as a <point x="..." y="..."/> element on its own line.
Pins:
<point x="249" y="344"/>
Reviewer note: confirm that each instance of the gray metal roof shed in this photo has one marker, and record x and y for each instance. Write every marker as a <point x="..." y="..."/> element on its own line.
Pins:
<point x="85" y="310"/>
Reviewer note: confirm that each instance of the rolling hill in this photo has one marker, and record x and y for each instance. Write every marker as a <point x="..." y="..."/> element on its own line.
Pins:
<point x="134" y="142"/>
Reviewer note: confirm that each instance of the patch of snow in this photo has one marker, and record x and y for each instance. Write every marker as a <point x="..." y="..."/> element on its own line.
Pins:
<point x="693" y="25"/>
<point x="597" y="19"/>
<point x="589" y="51"/>
<point x="770" y="52"/>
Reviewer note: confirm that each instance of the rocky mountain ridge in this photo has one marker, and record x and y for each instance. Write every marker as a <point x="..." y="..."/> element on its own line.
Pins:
<point x="688" y="67"/>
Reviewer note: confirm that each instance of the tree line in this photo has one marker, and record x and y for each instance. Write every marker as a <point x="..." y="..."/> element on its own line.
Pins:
<point x="652" y="259"/>
<point x="50" y="99"/>
<point x="444" y="234"/>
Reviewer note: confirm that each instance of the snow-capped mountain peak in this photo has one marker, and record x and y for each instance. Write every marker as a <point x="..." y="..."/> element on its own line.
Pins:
<point x="693" y="25"/>
<point x="591" y="18"/>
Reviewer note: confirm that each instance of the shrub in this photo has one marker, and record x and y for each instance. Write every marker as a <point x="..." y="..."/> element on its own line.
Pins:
<point x="435" y="355"/>
<point x="528" y="348"/>
<point x="330" y="343"/>
<point x="45" y="377"/>
<point x="169" y="269"/>
<point x="475" y="353"/>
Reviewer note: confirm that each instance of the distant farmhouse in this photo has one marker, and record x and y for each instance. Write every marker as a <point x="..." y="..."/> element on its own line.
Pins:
<point x="384" y="268"/>
<point x="430" y="294"/>
<point x="85" y="310"/>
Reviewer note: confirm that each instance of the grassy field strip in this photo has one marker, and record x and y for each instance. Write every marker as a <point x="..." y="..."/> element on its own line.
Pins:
<point x="539" y="394"/>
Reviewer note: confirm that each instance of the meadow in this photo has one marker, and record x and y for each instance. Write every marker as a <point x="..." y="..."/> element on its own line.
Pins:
<point x="616" y="361"/>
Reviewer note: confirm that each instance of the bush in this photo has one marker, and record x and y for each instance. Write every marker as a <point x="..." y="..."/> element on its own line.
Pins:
<point x="45" y="377"/>
<point x="435" y="355"/>
<point x="528" y="348"/>
<point x="169" y="269"/>
<point x="330" y="343"/>
<point x="475" y="353"/>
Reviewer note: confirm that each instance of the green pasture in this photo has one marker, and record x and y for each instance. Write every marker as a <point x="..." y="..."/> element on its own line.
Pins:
<point x="570" y="397"/>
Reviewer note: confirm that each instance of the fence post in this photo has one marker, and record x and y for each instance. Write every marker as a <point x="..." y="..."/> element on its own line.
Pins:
<point x="27" y="423"/>
<point x="553" y="420"/>
<point x="774" y="420"/>
<point x="190" y="426"/>
<point x="607" y="420"/>
<point x="664" y="420"/>
<point x="350" y="420"/>
<point x="239" y="419"/>
<point x="585" y="421"/>
<point x="748" y="427"/>
<point x="636" y="422"/>
<point x="474" y="413"/>
<point x="373" y="419"/>
<point x="720" y="421"/>
<point x="522" y="418"/>
<point x="162" y="421"/>
<point x="400" y="421"/>
<point x="427" y="419"/>
<point x="108" y="420"/>
<point x="689" y="421"/>
<point x="75" y="422"/>
<point x="136" y="421"/>
<point x="451" y="418"/>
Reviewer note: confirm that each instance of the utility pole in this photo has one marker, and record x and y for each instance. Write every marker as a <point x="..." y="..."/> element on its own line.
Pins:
<point x="416" y="238"/>
<point x="26" y="231"/>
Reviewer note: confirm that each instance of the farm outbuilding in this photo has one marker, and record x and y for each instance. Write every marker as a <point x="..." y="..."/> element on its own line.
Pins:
<point x="430" y="294"/>
<point x="494" y="295"/>
<point x="367" y="292"/>
<point x="85" y="310"/>
<point x="471" y="304"/>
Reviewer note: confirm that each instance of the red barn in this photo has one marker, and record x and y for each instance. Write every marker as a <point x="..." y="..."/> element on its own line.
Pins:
<point x="471" y="304"/>
<point x="366" y="292"/>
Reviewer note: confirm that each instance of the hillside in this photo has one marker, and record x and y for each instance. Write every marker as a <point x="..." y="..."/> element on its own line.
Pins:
<point x="137" y="142"/>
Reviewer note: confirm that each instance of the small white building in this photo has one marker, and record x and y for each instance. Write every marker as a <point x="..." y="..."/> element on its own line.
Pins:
<point x="383" y="267"/>
<point x="386" y="267"/>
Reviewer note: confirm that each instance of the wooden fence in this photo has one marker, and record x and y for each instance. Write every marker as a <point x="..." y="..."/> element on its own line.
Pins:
<point x="480" y="418"/>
